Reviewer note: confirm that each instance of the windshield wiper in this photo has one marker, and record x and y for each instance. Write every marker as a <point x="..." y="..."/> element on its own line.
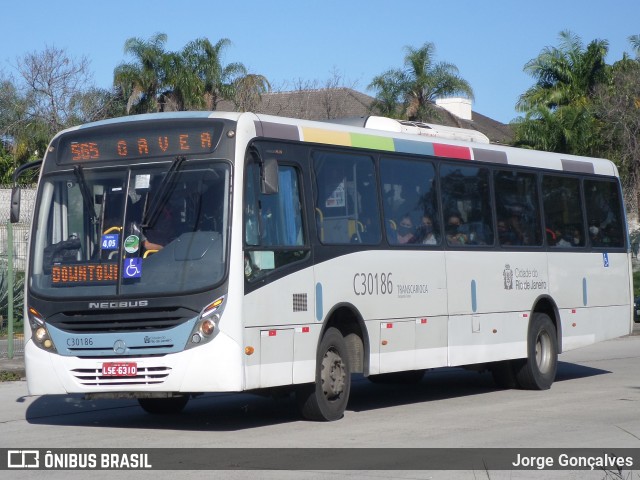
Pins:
<point x="162" y="196"/>
<point x="86" y="194"/>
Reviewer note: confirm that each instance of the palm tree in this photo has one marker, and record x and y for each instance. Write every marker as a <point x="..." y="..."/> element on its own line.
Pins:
<point x="206" y="81"/>
<point x="248" y="91"/>
<point x="419" y="84"/>
<point x="390" y="93"/>
<point x="561" y="99"/>
<point x="143" y="80"/>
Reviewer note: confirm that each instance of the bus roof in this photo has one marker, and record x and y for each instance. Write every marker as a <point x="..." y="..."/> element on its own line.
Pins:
<point x="383" y="135"/>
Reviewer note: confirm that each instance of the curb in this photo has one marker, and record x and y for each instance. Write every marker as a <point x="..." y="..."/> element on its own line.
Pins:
<point x="14" y="365"/>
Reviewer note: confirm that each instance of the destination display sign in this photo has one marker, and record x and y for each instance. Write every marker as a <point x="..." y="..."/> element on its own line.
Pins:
<point x="84" y="274"/>
<point x="136" y="140"/>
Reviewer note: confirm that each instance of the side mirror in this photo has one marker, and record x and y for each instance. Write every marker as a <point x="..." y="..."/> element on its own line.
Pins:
<point x="15" y="205"/>
<point x="269" y="181"/>
<point x="14" y="215"/>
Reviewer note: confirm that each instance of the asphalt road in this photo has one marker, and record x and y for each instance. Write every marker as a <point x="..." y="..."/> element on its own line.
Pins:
<point x="594" y="402"/>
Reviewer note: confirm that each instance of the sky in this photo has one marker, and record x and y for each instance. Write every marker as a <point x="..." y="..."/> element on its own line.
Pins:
<point x="312" y="42"/>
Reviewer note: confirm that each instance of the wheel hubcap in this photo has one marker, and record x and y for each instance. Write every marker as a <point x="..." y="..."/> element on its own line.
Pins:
<point x="543" y="352"/>
<point x="333" y="375"/>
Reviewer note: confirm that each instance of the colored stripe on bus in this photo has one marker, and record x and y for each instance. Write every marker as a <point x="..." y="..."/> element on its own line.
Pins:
<point x="277" y="130"/>
<point x="493" y="156"/>
<point x="375" y="142"/>
<point x="331" y="137"/>
<point x="417" y="148"/>
<point x="451" y="151"/>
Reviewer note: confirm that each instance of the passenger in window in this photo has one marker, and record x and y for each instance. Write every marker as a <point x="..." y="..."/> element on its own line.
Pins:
<point x="594" y="235"/>
<point x="425" y="233"/>
<point x="576" y="241"/>
<point x="608" y="236"/>
<point x="454" y="235"/>
<point x="506" y="235"/>
<point x="565" y="239"/>
<point x="405" y="233"/>
<point x="516" y="226"/>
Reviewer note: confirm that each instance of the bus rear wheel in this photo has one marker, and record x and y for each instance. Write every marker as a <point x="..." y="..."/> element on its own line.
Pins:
<point x="164" y="406"/>
<point x="326" y="399"/>
<point x="538" y="370"/>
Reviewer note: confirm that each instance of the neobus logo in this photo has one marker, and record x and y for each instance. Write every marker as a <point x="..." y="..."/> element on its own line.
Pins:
<point x="131" y="304"/>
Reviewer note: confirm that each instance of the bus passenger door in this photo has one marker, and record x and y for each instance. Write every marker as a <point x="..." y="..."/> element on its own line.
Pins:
<point x="279" y="289"/>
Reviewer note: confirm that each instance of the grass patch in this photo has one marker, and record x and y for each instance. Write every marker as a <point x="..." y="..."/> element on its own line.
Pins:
<point x="9" y="376"/>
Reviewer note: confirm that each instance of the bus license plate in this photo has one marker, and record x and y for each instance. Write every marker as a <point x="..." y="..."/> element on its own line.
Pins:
<point x="127" y="369"/>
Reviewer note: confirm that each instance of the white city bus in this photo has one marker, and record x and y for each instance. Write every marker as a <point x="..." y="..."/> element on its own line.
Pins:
<point x="181" y="253"/>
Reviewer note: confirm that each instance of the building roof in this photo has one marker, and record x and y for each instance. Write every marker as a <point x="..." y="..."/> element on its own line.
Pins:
<point x="332" y="103"/>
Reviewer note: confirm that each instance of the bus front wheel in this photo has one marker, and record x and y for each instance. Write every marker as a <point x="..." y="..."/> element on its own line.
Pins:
<point x="538" y="370"/>
<point x="326" y="399"/>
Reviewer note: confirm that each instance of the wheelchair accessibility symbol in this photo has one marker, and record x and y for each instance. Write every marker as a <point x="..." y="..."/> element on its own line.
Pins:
<point x="132" y="268"/>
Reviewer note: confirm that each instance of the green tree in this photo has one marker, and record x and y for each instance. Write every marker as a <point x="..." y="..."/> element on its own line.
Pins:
<point x="206" y="81"/>
<point x="558" y="108"/>
<point x="248" y="91"/>
<point x="143" y="80"/>
<point x="617" y="105"/>
<point x="96" y="104"/>
<point x="389" y="86"/>
<point x="40" y="103"/>
<point x="419" y="84"/>
<point x="50" y="79"/>
<point x="193" y="79"/>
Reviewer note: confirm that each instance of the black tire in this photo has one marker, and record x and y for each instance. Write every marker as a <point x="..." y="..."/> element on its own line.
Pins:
<point x="326" y="399"/>
<point x="406" y="378"/>
<point x="164" y="406"/>
<point x="538" y="371"/>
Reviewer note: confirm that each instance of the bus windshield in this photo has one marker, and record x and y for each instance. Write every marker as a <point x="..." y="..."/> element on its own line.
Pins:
<point x="152" y="229"/>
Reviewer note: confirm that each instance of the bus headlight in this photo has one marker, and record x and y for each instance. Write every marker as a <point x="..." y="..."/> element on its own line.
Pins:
<point x="40" y="334"/>
<point x="206" y="326"/>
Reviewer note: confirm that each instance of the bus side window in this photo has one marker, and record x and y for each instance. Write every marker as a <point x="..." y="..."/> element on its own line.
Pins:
<point x="466" y="197"/>
<point x="410" y="202"/>
<point x="563" y="210"/>
<point x="606" y="218"/>
<point x="517" y="208"/>
<point x="346" y="204"/>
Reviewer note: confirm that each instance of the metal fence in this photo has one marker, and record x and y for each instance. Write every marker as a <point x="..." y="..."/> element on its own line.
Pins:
<point x="18" y="249"/>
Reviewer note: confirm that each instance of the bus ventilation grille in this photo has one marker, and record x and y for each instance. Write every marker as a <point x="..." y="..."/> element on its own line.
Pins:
<point x="92" y="377"/>
<point x="299" y="302"/>
<point x="130" y="320"/>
